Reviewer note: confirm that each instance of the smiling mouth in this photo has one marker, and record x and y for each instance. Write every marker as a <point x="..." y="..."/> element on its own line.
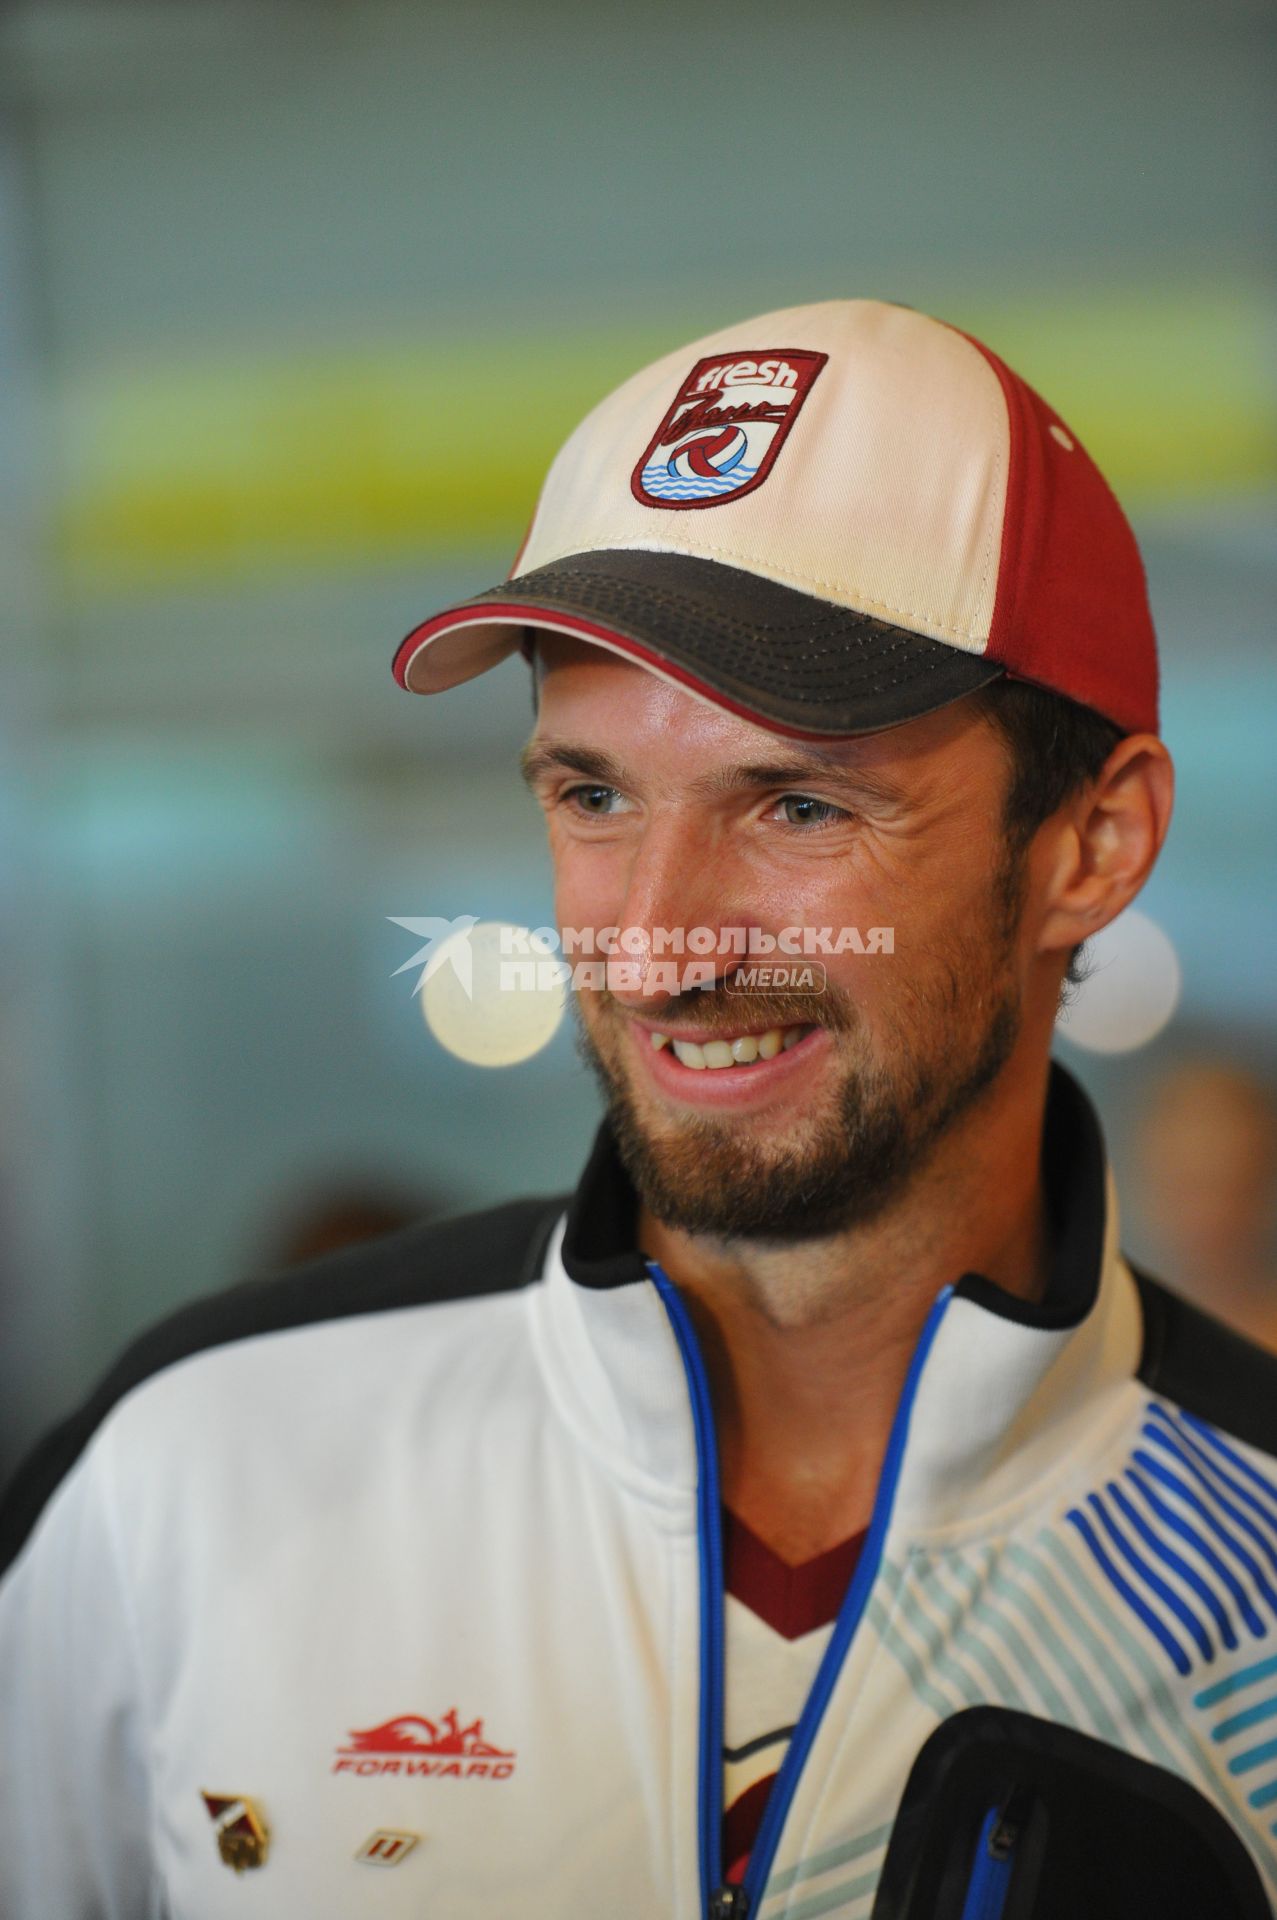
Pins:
<point x="744" y="1050"/>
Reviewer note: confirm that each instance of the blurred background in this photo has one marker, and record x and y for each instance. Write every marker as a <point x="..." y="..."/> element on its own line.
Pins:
<point x="297" y="302"/>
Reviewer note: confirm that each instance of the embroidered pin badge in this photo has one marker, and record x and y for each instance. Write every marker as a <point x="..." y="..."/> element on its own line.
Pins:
<point x="243" y="1838"/>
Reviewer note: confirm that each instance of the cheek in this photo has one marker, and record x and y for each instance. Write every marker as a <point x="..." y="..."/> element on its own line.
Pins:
<point x="858" y="894"/>
<point x="913" y="927"/>
<point x="588" y="883"/>
<point x="934" y="898"/>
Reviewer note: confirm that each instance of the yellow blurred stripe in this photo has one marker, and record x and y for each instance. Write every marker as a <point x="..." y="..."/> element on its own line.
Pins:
<point x="1174" y="390"/>
<point x="180" y="472"/>
<point x="190" y="472"/>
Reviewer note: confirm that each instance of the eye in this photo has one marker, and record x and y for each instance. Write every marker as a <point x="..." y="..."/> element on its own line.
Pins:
<point x="802" y="810"/>
<point x="596" y="801"/>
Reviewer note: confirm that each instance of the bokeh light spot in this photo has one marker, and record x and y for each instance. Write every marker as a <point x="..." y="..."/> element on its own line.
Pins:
<point x="1132" y="989"/>
<point x="501" y="1007"/>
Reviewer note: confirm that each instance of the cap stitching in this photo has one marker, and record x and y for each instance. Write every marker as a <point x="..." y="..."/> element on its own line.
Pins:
<point x="729" y="624"/>
<point x="874" y="679"/>
<point x="871" y="671"/>
<point x="725" y="622"/>
<point x="832" y="586"/>
<point x="661" y="596"/>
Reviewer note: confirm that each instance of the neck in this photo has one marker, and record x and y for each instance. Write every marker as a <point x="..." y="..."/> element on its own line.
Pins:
<point x="807" y="1346"/>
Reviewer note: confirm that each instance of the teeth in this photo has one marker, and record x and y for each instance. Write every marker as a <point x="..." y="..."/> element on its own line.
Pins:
<point x="743" y="1051"/>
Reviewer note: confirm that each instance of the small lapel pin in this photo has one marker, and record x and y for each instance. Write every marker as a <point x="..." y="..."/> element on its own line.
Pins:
<point x="243" y="1837"/>
<point x="387" y="1847"/>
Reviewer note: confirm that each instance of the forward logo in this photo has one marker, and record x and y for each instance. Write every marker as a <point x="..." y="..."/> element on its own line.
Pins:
<point x="412" y="1744"/>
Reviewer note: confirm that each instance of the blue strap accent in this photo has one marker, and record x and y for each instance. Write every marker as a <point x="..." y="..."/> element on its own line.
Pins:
<point x="710" y="1542"/>
<point x="854" y="1603"/>
<point x="709" y="1516"/>
<point x="990" y="1880"/>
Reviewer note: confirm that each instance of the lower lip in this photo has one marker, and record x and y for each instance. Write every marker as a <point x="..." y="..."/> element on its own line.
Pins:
<point x="742" y="1086"/>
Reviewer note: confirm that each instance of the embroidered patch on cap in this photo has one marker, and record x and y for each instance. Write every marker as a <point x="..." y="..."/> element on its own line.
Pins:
<point x="727" y="423"/>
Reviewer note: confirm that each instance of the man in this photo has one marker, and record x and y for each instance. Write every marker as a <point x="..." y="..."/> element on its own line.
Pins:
<point x="814" y="1515"/>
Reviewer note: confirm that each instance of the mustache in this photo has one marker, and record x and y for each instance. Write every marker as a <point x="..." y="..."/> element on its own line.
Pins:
<point x="725" y="1010"/>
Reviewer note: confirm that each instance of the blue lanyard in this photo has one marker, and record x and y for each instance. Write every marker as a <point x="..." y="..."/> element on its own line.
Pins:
<point x="721" y="1902"/>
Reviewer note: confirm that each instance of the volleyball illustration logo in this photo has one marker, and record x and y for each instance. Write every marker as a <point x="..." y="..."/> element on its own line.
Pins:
<point x="710" y="456"/>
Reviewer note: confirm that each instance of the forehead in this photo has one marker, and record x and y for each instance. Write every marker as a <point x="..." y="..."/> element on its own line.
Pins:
<point x="588" y="696"/>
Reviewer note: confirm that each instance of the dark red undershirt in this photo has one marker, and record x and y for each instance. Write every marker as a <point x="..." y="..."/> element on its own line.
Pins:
<point x="792" y="1601"/>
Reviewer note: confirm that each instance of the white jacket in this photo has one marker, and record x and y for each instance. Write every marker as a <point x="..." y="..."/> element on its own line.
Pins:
<point x="423" y="1539"/>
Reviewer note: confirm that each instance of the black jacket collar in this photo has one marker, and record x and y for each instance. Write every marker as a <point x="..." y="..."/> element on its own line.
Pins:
<point x="599" y="1247"/>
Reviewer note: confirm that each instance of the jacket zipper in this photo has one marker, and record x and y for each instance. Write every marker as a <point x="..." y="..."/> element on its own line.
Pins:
<point x="719" y="1901"/>
<point x="990" y="1881"/>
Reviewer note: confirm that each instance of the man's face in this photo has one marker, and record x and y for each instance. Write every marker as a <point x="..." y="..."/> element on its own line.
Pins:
<point x="666" y="813"/>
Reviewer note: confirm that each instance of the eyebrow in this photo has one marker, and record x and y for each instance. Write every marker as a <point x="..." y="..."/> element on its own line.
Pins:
<point x="778" y="773"/>
<point x="541" y="758"/>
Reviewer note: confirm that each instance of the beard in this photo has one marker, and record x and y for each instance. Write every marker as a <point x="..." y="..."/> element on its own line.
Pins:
<point x="945" y="1042"/>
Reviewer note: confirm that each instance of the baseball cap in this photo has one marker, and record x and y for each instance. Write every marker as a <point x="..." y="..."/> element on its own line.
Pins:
<point x="830" y="520"/>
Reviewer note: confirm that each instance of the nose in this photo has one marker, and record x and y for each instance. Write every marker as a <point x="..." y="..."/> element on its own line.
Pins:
<point x="679" y="902"/>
